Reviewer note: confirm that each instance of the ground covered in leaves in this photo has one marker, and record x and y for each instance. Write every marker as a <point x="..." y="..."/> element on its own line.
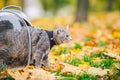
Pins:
<point x="94" y="53"/>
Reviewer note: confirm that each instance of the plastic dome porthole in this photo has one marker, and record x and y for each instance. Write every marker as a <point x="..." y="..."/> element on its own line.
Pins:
<point x="12" y="23"/>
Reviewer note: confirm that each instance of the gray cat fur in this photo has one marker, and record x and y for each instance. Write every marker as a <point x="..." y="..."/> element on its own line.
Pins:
<point x="13" y="51"/>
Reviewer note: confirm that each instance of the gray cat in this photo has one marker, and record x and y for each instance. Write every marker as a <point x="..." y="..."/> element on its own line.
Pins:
<point x="14" y="53"/>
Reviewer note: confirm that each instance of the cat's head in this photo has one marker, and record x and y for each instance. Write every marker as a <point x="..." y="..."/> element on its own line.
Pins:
<point x="62" y="35"/>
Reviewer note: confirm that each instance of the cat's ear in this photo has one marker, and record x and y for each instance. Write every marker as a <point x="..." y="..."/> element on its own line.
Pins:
<point x="58" y="31"/>
<point x="67" y="27"/>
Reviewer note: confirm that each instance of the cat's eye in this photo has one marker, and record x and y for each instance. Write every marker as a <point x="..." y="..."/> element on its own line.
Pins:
<point x="67" y="35"/>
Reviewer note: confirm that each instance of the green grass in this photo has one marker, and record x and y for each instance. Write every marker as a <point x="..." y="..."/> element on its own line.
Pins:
<point x="68" y="78"/>
<point x="87" y="59"/>
<point x="88" y="39"/>
<point x="95" y="64"/>
<point x="3" y="67"/>
<point x="78" y="46"/>
<point x="57" y="73"/>
<point x="86" y="76"/>
<point x="98" y="54"/>
<point x="7" y="78"/>
<point x="73" y="61"/>
<point x="64" y="51"/>
<point x="71" y="76"/>
<point x="105" y="63"/>
<point x="58" y="50"/>
<point x="91" y="61"/>
<point x="94" y="55"/>
<point x="118" y="73"/>
<point x="65" y="76"/>
<point x="102" y="43"/>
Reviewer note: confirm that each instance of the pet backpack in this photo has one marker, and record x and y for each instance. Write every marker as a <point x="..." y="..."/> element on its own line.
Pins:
<point x="12" y="17"/>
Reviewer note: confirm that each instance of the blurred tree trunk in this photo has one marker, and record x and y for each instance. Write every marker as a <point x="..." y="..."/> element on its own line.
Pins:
<point x="55" y="9"/>
<point x="2" y="3"/>
<point x="15" y="2"/>
<point x="110" y="5"/>
<point x="6" y="2"/>
<point x="23" y="4"/>
<point x="82" y="10"/>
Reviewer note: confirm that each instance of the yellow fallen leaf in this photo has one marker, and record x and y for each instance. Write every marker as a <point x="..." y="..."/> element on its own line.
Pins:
<point x="17" y="76"/>
<point x="56" y="66"/>
<point x="31" y="74"/>
<point x="98" y="71"/>
<point x="30" y="67"/>
<point x="84" y="66"/>
<point x="70" y="69"/>
<point x="97" y="60"/>
<point x="3" y="74"/>
<point x="116" y="34"/>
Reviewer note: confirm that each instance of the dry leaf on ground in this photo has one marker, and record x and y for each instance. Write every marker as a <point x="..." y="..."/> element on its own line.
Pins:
<point x="31" y="74"/>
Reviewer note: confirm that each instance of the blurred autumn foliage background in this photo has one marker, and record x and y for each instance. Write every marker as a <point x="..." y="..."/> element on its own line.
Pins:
<point x="94" y="53"/>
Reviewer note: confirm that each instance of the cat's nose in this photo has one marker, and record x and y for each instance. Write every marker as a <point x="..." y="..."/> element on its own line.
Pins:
<point x="70" y="39"/>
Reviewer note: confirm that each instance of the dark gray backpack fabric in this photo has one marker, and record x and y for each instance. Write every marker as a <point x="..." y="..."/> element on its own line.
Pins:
<point x="12" y="20"/>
